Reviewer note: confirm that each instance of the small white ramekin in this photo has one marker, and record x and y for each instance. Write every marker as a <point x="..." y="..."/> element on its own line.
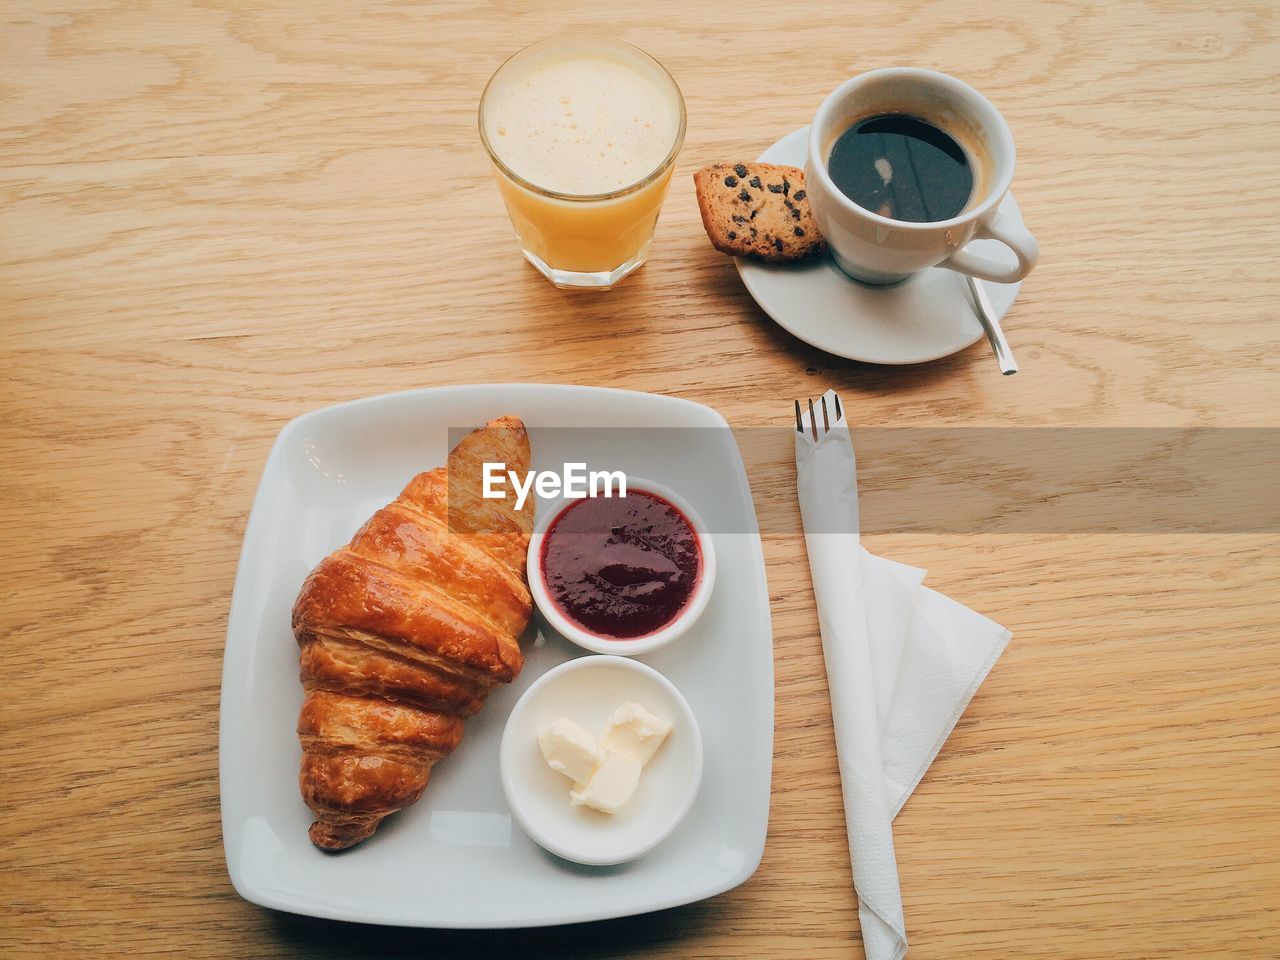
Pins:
<point x="587" y="690"/>
<point x="647" y="643"/>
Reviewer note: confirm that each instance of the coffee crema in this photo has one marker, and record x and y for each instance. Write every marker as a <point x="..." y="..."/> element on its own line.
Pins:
<point x="903" y="168"/>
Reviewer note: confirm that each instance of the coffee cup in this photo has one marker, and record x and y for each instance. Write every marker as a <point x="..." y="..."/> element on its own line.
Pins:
<point x="875" y="248"/>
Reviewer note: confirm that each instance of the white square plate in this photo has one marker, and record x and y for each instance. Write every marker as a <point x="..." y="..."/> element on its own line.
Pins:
<point x="455" y="859"/>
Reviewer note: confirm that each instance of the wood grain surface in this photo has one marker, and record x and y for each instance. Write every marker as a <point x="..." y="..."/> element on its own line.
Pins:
<point x="217" y="215"/>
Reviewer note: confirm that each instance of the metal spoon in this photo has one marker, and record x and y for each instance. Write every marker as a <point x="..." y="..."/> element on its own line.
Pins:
<point x="987" y="316"/>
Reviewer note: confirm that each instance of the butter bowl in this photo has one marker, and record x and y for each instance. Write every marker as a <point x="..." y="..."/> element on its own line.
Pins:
<point x="587" y="692"/>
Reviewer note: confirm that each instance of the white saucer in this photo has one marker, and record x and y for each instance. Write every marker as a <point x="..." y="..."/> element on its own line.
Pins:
<point x="924" y="318"/>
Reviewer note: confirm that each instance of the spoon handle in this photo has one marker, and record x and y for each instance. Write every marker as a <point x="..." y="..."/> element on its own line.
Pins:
<point x="987" y="316"/>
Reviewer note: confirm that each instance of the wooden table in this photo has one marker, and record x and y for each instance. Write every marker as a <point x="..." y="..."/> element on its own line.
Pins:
<point x="215" y="216"/>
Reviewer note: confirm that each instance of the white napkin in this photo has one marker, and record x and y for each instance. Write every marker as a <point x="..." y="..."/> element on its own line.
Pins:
<point x="902" y="661"/>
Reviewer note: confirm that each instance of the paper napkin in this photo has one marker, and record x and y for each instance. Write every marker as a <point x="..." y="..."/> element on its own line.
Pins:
<point x="902" y="662"/>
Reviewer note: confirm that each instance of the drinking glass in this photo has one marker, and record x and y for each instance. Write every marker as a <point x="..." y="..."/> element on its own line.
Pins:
<point x="584" y="239"/>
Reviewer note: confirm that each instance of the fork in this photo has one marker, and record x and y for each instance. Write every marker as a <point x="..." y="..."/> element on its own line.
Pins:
<point x="813" y="419"/>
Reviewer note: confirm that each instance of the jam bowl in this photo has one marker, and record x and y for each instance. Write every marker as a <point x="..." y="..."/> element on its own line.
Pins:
<point x="622" y="575"/>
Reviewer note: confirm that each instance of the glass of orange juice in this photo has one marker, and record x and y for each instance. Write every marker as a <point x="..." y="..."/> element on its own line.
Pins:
<point x="583" y="133"/>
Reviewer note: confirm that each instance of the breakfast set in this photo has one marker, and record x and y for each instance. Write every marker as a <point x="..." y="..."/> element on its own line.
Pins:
<point x="568" y="698"/>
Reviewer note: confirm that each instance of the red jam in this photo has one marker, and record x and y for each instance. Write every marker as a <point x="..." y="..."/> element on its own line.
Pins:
<point x="621" y="567"/>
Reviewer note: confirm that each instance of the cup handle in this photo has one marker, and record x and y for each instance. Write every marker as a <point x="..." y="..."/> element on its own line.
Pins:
<point x="1014" y="236"/>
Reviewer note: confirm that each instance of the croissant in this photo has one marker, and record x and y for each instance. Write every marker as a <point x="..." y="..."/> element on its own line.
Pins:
<point x="404" y="631"/>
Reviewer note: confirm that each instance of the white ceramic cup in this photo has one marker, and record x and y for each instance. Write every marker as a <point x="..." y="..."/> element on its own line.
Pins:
<point x="876" y="249"/>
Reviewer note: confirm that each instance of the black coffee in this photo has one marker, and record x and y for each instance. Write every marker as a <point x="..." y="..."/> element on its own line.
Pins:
<point x="903" y="168"/>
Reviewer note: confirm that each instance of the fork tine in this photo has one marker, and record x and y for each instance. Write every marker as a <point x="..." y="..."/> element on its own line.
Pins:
<point x="826" y="424"/>
<point x="799" y="424"/>
<point x="813" y="421"/>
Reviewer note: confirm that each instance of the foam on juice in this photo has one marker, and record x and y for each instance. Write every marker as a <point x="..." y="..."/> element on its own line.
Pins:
<point x="582" y="123"/>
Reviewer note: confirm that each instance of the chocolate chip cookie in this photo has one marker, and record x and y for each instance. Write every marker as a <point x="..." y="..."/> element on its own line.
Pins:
<point x="757" y="210"/>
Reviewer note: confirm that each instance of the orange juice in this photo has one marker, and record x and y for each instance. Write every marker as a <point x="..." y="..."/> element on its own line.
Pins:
<point x="582" y="134"/>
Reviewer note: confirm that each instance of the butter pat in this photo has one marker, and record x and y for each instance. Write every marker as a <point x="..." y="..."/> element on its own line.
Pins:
<point x="612" y="784"/>
<point x="635" y="733"/>
<point x="569" y="749"/>
<point x="605" y="774"/>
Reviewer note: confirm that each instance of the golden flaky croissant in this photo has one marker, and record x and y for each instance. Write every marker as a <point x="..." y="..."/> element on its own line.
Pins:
<point x="403" y="632"/>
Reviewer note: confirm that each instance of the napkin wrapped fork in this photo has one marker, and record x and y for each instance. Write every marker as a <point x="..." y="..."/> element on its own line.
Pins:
<point x="903" y="662"/>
